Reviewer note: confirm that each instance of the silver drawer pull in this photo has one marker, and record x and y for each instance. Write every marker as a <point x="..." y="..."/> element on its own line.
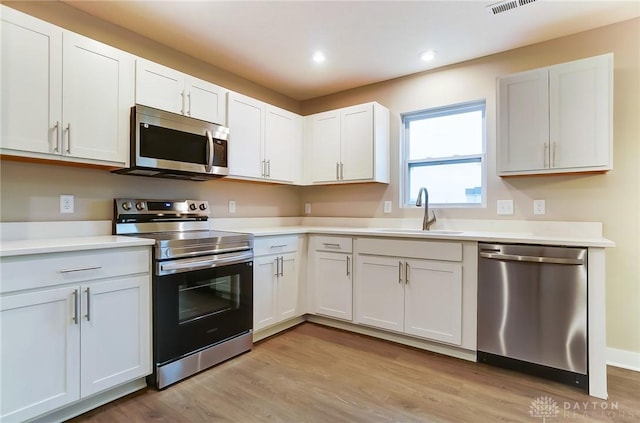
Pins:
<point x="278" y="246"/>
<point x="80" y="269"/>
<point x="330" y="245"/>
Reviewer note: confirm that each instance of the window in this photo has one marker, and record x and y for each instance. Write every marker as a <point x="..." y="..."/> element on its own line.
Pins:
<point x="444" y="151"/>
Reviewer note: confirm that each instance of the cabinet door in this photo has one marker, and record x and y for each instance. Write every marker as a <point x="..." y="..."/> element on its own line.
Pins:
<point x="205" y="101"/>
<point x="159" y="86"/>
<point x="326" y="146"/>
<point x="333" y="285"/>
<point x="40" y="353"/>
<point x="283" y="134"/>
<point x="288" y="287"/>
<point x="97" y="99"/>
<point x="31" y="83"/>
<point x="380" y="292"/>
<point x="357" y="143"/>
<point x="433" y="300"/>
<point x="265" y="294"/>
<point x="115" y="333"/>
<point x="245" y="119"/>
<point x="580" y="112"/>
<point x="523" y="121"/>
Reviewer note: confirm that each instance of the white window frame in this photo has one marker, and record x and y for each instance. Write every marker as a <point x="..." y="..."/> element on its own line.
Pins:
<point x="476" y="105"/>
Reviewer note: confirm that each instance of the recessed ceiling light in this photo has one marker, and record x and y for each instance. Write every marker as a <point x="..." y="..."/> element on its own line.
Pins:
<point x="428" y="55"/>
<point x="318" y="57"/>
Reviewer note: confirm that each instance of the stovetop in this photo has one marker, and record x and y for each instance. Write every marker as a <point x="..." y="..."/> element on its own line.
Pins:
<point x="179" y="227"/>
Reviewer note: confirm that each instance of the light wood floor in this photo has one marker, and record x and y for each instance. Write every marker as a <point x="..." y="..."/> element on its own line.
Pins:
<point x="313" y="373"/>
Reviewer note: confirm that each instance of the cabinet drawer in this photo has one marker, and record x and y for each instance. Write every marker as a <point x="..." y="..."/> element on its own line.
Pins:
<point x="421" y="249"/>
<point x="333" y="243"/>
<point x="275" y="245"/>
<point x="42" y="270"/>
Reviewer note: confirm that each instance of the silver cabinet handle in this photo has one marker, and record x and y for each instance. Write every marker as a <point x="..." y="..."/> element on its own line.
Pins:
<point x="531" y="259"/>
<point x="277" y="267"/>
<point x="282" y="266"/>
<point x="337" y="171"/>
<point x="330" y="245"/>
<point x="56" y="149"/>
<point x="399" y="272"/>
<point x="553" y="155"/>
<point x="210" y="151"/>
<point x="182" y="108"/>
<point x="88" y="304"/>
<point x="545" y="155"/>
<point x="75" y="306"/>
<point x="80" y="269"/>
<point x="278" y="246"/>
<point x="189" y="103"/>
<point x="406" y="272"/>
<point x="268" y="168"/>
<point x="341" y="171"/>
<point x="68" y="129"/>
<point x="264" y="168"/>
<point x="348" y="263"/>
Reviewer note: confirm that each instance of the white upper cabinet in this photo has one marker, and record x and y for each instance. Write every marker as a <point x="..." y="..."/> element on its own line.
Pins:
<point x="350" y="145"/>
<point x="64" y="96"/>
<point x="264" y="141"/>
<point x="557" y="119"/>
<point x="282" y="144"/>
<point x="173" y="91"/>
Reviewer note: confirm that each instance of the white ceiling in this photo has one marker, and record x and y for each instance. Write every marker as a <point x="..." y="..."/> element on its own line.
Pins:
<point x="271" y="42"/>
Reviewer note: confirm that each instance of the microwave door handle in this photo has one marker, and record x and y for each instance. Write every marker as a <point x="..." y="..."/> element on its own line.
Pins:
<point x="210" y="151"/>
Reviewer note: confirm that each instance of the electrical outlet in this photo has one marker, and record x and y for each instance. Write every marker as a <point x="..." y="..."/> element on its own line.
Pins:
<point x="66" y="203"/>
<point x="505" y="206"/>
<point x="539" y="207"/>
<point x="307" y="208"/>
<point x="387" y="206"/>
<point x="232" y="206"/>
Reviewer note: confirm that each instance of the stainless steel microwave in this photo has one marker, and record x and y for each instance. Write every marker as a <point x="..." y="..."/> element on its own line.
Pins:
<point x="168" y="145"/>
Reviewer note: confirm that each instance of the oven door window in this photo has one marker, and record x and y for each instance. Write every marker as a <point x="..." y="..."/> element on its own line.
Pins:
<point x="204" y="298"/>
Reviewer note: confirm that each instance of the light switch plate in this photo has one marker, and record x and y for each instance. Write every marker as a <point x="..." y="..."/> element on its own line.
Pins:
<point x="307" y="208"/>
<point x="505" y="206"/>
<point x="539" y="207"/>
<point x="232" y="206"/>
<point x="387" y="206"/>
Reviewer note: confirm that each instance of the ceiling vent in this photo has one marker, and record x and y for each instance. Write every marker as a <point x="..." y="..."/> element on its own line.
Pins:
<point x="507" y="5"/>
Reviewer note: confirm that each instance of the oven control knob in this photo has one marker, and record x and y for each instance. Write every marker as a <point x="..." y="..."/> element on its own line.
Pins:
<point x="140" y="205"/>
<point x="203" y="206"/>
<point x="192" y="206"/>
<point x="126" y="206"/>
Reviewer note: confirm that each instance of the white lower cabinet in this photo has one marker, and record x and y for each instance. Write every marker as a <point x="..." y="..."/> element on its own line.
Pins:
<point x="276" y="287"/>
<point x="332" y="276"/>
<point x="40" y="361"/>
<point x="61" y="344"/>
<point x="418" y="297"/>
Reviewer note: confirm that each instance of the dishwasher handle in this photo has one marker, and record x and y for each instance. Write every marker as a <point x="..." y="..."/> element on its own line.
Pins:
<point x="531" y="259"/>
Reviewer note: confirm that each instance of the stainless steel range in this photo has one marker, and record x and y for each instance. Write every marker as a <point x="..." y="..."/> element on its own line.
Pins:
<point x="202" y="285"/>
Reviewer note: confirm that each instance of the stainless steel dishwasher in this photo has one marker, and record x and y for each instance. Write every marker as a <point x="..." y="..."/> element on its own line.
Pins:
<point x="532" y="310"/>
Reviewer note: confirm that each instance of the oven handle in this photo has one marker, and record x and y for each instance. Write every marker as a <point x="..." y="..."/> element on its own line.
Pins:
<point x="207" y="262"/>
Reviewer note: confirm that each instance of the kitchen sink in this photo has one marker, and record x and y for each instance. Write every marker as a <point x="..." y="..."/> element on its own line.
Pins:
<point x="420" y="231"/>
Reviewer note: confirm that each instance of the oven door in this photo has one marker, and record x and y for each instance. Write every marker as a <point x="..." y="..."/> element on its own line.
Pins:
<point x="198" y="308"/>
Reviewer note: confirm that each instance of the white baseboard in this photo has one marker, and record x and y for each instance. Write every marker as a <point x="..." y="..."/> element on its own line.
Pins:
<point x="625" y="359"/>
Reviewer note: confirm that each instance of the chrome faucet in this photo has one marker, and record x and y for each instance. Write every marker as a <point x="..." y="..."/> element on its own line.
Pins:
<point x="426" y="223"/>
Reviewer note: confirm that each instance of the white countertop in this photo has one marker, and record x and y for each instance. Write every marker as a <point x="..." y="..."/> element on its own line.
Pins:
<point x="56" y="245"/>
<point x="508" y="237"/>
<point x="50" y="237"/>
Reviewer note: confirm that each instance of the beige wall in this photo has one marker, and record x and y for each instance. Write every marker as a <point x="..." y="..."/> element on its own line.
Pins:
<point x="612" y="198"/>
